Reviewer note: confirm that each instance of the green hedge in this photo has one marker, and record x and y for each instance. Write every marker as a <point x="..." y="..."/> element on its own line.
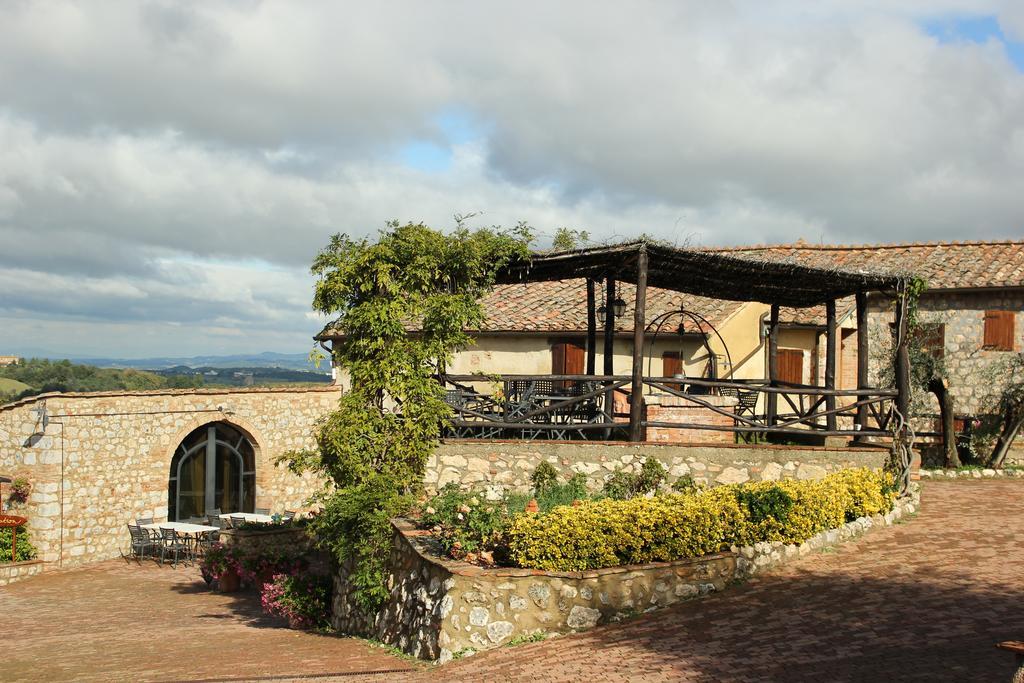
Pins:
<point x="26" y="551"/>
<point x="608" y="533"/>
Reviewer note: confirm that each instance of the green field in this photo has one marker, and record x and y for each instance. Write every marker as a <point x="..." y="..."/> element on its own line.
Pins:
<point x="12" y="386"/>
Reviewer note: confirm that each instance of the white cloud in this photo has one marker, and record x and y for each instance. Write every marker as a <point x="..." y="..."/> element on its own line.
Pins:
<point x="180" y="164"/>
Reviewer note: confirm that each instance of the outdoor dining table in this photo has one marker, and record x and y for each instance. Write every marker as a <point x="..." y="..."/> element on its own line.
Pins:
<point x="182" y="527"/>
<point x="249" y="517"/>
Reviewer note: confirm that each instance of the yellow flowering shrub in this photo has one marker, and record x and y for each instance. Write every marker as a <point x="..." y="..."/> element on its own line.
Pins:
<point x="606" y="533"/>
<point x="873" y="492"/>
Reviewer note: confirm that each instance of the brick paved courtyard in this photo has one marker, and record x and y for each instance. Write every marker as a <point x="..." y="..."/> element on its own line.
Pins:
<point x="922" y="601"/>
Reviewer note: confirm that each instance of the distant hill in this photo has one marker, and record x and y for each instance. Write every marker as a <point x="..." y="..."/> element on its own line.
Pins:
<point x="267" y="359"/>
<point x="245" y="375"/>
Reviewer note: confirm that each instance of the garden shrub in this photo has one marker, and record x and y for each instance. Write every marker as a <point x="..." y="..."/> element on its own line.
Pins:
<point x="464" y="522"/>
<point x="872" y="492"/>
<point x="562" y="494"/>
<point x="624" y="485"/>
<point x="544" y="477"/>
<point x="26" y="551"/>
<point x="612" y="532"/>
<point x="303" y="599"/>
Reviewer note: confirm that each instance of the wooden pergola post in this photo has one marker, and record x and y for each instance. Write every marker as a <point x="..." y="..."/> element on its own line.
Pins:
<point x="591" y="328"/>
<point x="609" y="326"/>
<point x="609" y="347"/>
<point x="636" y="405"/>
<point x="830" y="363"/>
<point x="902" y="357"/>
<point x="862" y="355"/>
<point x="773" y="364"/>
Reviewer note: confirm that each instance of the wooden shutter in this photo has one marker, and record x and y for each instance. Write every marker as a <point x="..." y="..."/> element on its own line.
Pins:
<point x="791" y="366"/>
<point x="671" y="365"/>
<point x="999" y="330"/>
<point x="567" y="358"/>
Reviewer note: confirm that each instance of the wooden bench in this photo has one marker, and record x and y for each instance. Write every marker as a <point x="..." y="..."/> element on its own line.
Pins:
<point x="1017" y="648"/>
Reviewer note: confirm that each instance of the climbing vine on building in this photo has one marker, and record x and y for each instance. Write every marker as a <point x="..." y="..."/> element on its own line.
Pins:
<point x="403" y="303"/>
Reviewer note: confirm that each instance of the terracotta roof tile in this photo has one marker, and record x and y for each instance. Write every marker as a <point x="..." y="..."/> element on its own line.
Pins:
<point x="944" y="265"/>
<point x="560" y="306"/>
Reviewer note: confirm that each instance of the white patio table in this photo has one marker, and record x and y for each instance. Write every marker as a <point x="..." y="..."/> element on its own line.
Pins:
<point x="249" y="517"/>
<point x="182" y="527"/>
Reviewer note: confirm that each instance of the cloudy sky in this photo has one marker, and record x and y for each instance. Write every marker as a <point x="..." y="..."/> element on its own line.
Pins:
<point x="168" y="170"/>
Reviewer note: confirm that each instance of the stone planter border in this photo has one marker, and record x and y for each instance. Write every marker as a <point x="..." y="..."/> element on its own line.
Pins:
<point x="16" y="571"/>
<point x="439" y="607"/>
<point x="1014" y="473"/>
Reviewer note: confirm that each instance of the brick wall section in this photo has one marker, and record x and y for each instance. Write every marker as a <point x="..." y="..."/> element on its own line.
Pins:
<point x="116" y="465"/>
<point x="678" y="410"/>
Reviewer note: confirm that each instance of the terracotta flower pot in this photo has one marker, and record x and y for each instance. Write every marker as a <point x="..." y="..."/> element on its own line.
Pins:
<point x="229" y="582"/>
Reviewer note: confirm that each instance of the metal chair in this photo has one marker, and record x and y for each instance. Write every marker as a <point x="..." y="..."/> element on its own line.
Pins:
<point x="289" y="515"/>
<point x="173" y="542"/>
<point x="262" y="511"/>
<point x="141" y="541"/>
<point x="215" y="512"/>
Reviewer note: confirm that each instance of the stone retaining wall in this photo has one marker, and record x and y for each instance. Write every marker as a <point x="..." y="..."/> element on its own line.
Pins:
<point x="16" y="571"/>
<point x="501" y="466"/>
<point x="287" y="540"/>
<point x="440" y="607"/>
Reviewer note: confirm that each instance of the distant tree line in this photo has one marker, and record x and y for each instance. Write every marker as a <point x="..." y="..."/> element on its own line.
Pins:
<point x="43" y="376"/>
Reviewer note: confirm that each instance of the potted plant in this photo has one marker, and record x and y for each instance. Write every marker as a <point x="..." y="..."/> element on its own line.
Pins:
<point x="221" y="564"/>
<point x="20" y="490"/>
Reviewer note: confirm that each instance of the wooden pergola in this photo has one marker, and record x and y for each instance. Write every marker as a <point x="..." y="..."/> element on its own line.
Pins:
<point x="724" y="276"/>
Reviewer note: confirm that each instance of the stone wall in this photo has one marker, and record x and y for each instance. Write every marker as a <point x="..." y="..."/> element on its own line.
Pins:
<point x="291" y="540"/>
<point x="440" y="607"/>
<point x="105" y="457"/>
<point x="963" y="314"/>
<point x="501" y="466"/>
<point x="16" y="571"/>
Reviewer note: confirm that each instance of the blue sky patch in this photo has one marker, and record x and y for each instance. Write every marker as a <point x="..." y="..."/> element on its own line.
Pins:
<point x="975" y="29"/>
<point x="454" y="127"/>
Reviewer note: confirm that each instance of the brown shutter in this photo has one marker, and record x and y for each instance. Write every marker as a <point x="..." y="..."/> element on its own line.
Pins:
<point x="558" y="358"/>
<point x="999" y="330"/>
<point x="791" y="366"/>
<point x="575" y="358"/>
<point x="567" y="358"/>
<point x="671" y="365"/>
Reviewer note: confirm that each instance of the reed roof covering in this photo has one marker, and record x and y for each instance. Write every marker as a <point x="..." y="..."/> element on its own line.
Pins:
<point x="704" y="273"/>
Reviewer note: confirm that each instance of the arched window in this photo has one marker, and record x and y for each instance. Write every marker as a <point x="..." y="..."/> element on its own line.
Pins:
<point x="214" y="467"/>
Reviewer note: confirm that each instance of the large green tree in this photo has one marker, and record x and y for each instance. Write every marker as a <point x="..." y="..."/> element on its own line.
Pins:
<point x="403" y="303"/>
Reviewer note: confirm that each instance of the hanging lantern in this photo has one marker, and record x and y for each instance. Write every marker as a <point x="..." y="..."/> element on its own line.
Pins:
<point x="619" y="306"/>
<point x="602" y="313"/>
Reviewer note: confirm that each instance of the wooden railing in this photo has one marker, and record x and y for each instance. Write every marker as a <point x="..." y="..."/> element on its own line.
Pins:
<point x="584" y="406"/>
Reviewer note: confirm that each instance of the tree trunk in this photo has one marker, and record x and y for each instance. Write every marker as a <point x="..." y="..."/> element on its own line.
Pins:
<point x="1013" y="418"/>
<point x="938" y="386"/>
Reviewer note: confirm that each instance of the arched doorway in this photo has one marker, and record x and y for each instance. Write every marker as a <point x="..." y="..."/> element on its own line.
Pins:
<point x="213" y="467"/>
